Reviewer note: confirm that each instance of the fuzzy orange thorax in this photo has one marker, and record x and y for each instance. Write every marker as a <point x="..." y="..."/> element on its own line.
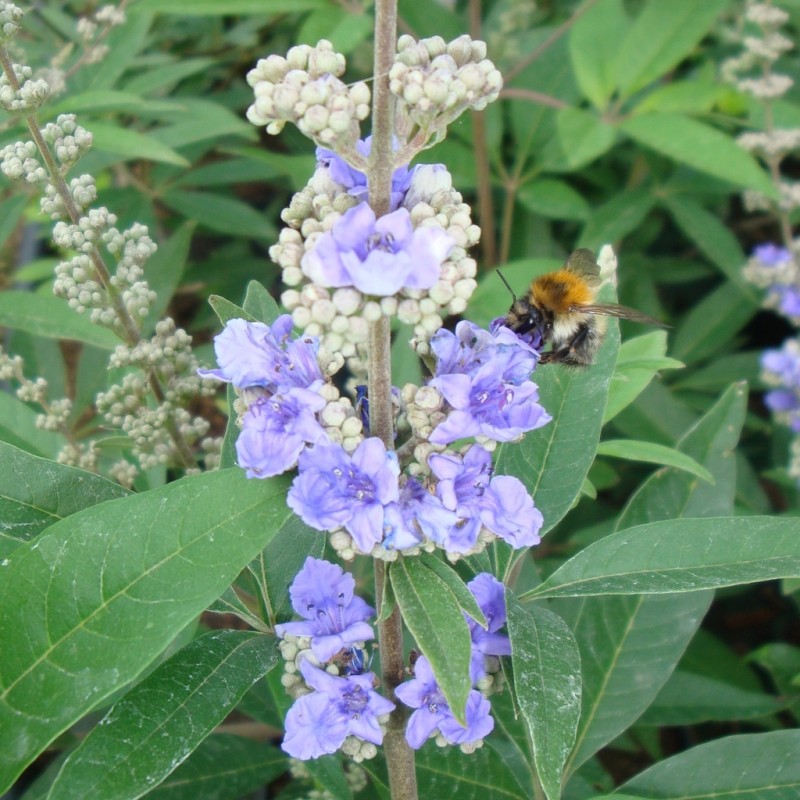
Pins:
<point x="561" y="289"/>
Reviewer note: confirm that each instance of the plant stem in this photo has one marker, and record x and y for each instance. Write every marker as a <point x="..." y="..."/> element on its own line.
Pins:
<point x="399" y="756"/>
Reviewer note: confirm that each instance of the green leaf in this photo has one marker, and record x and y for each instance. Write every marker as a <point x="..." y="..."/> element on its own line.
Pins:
<point x="11" y="212"/>
<point x="711" y="441"/>
<point x="711" y="325"/>
<point x="259" y="302"/>
<point x="164" y="270"/>
<point x="553" y="199"/>
<point x="594" y="47"/>
<point x="615" y="219"/>
<point x="464" y="596"/>
<point x="653" y="453"/>
<point x="639" y="360"/>
<point x="296" y="167"/>
<point x="165" y="76"/>
<point x="36" y="492"/>
<point x="432" y="614"/>
<point x="108" y="588"/>
<point x="447" y="772"/>
<point x="18" y="427"/>
<point x="133" y="145"/>
<point x="553" y="461"/>
<point x="689" y="699"/>
<point x="714" y="240"/>
<point x="681" y="555"/>
<point x="661" y="37"/>
<point x="157" y="724"/>
<point x="580" y="137"/>
<point x="223" y="767"/>
<point x="261" y="8"/>
<point x="201" y="120"/>
<point x="220" y="213"/>
<point x="547" y="683"/>
<point x="617" y="636"/>
<point x="46" y="315"/>
<point x="756" y="766"/>
<point x="694" y="96"/>
<point x="699" y="146"/>
<point x="226" y="310"/>
<point x="230" y="603"/>
<point x="100" y="101"/>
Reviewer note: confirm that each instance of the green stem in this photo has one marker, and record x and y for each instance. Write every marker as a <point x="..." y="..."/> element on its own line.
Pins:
<point x="399" y="756"/>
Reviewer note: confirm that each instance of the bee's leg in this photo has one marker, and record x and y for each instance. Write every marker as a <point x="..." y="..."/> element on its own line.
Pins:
<point x="578" y="351"/>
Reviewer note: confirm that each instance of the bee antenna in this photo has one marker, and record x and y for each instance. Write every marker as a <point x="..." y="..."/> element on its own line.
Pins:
<point x="508" y="285"/>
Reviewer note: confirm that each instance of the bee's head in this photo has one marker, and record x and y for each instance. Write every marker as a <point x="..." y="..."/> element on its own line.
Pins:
<point x="523" y="318"/>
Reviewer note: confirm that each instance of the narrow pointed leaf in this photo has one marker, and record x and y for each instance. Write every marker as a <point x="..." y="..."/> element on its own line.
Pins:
<point x="629" y="648"/>
<point x="156" y="725"/>
<point x="223" y="767"/>
<point x="681" y="555"/>
<point x="653" y="453"/>
<point x="46" y="315"/>
<point x="547" y="682"/>
<point x="108" y="588"/>
<point x="435" y="619"/>
<point x="700" y="146"/>
<point x="37" y="492"/>
<point x="660" y="37"/>
<point x="553" y="461"/>
<point x="457" y="586"/>
<point x="756" y="766"/>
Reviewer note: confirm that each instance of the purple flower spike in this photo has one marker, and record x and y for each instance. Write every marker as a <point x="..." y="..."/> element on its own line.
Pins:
<point x="334" y="490"/>
<point x="432" y="711"/>
<point x="255" y="354"/>
<point x="318" y="723"/>
<point x="276" y="429"/>
<point x="377" y="256"/>
<point x="322" y="593"/>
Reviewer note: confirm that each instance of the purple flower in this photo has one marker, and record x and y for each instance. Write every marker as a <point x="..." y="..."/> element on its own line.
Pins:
<point x="276" y="429"/>
<point x="487" y="643"/>
<point x="355" y="181"/>
<point x="335" y="490"/>
<point x="335" y="618"/>
<point x="255" y="354"/>
<point x="377" y="256"/>
<point x="501" y="504"/>
<point x="470" y="347"/>
<point x="418" y="513"/>
<point x="433" y="712"/>
<point x="318" y="723"/>
<point x="771" y="254"/>
<point x="789" y="304"/>
<point x="485" y="404"/>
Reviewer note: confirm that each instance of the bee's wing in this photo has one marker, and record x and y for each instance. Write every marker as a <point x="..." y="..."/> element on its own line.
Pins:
<point x="582" y="263"/>
<point x="615" y="310"/>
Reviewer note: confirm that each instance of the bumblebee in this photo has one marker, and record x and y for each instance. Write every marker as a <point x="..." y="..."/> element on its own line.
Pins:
<point x="560" y="307"/>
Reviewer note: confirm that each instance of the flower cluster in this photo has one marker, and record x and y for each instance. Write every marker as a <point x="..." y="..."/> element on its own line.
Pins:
<point x="336" y="703"/>
<point x="771" y="267"/>
<point x="355" y="489"/>
<point x="344" y="268"/>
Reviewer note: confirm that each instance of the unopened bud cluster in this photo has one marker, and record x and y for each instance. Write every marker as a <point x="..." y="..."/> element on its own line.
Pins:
<point x="77" y="280"/>
<point x="29" y="95"/>
<point x="340" y="317"/>
<point x="304" y="88"/>
<point x="436" y="80"/>
<point x="753" y="73"/>
<point x="10" y="17"/>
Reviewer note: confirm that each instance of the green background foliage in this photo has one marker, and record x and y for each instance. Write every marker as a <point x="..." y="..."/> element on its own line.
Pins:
<point x="660" y="477"/>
